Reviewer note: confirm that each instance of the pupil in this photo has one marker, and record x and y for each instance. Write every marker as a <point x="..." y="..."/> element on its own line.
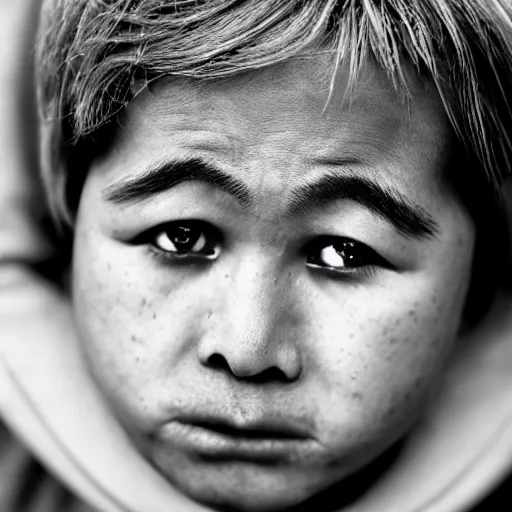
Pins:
<point x="345" y="251"/>
<point x="184" y="238"/>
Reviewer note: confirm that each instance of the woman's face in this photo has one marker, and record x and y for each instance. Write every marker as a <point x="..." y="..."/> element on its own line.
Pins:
<point x="266" y="283"/>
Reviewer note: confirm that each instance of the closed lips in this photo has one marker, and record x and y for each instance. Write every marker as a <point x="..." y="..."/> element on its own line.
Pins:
<point x="257" y="433"/>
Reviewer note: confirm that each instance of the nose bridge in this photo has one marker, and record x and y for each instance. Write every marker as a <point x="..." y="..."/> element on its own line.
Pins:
<point x="250" y="333"/>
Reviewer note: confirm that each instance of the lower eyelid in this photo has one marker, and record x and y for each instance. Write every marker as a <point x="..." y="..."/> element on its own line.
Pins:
<point x="176" y="258"/>
<point x="349" y="273"/>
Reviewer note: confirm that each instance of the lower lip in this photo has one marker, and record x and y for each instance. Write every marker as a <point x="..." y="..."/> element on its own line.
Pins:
<point x="209" y="443"/>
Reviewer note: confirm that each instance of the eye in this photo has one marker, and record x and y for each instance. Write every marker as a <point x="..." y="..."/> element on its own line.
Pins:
<point x="344" y="255"/>
<point x="187" y="239"/>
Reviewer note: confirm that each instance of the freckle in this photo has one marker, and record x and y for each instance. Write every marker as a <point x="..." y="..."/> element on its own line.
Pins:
<point x="357" y="396"/>
<point x="226" y="276"/>
<point x="154" y="316"/>
<point x="143" y="302"/>
<point x="411" y="312"/>
<point x="136" y="339"/>
<point x="351" y="335"/>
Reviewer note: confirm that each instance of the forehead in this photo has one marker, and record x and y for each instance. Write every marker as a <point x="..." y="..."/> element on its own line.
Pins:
<point x="283" y="120"/>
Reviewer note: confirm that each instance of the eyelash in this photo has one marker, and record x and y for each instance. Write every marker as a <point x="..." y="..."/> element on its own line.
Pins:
<point x="334" y="246"/>
<point x="331" y="247"/>
<point x="211" y="235"/>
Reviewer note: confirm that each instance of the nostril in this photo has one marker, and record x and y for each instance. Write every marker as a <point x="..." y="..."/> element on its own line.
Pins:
<point x="272" y="374"/>
<point x="219" y="362"/>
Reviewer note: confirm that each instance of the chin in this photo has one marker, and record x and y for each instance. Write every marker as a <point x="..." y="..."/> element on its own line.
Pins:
<point x="252" y="497"/>
<point x="243" y="487"/>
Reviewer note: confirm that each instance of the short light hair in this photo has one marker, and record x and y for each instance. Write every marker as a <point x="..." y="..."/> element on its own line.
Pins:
<point x="94" y="56"/>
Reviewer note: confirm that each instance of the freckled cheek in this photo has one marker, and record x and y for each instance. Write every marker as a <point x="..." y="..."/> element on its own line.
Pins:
<point x="136" y="326"/>
<point x="377" y="365"/>
<point x="416" y="337"/>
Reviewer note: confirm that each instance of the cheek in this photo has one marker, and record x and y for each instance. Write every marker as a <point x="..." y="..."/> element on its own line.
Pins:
<point x="378" y="362"/>
<point x="133" y="328"/>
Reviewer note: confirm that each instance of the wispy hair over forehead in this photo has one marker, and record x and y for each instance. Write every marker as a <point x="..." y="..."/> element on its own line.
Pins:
<point x="93" y="55"/>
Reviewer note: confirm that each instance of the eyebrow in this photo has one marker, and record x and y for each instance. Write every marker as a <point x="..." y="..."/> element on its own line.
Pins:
<point x="408" y="218"/>
<point x="166" y="175"/>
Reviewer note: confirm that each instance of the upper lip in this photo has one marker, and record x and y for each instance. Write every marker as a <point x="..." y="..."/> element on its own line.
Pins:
<point x="267" y="428"/>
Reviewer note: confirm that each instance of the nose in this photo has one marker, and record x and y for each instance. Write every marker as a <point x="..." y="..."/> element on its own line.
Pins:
<point x="253" y="335"/>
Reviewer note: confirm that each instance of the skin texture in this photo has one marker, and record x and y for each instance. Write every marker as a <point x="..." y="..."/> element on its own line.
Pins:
<point x="260" y="333"/>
